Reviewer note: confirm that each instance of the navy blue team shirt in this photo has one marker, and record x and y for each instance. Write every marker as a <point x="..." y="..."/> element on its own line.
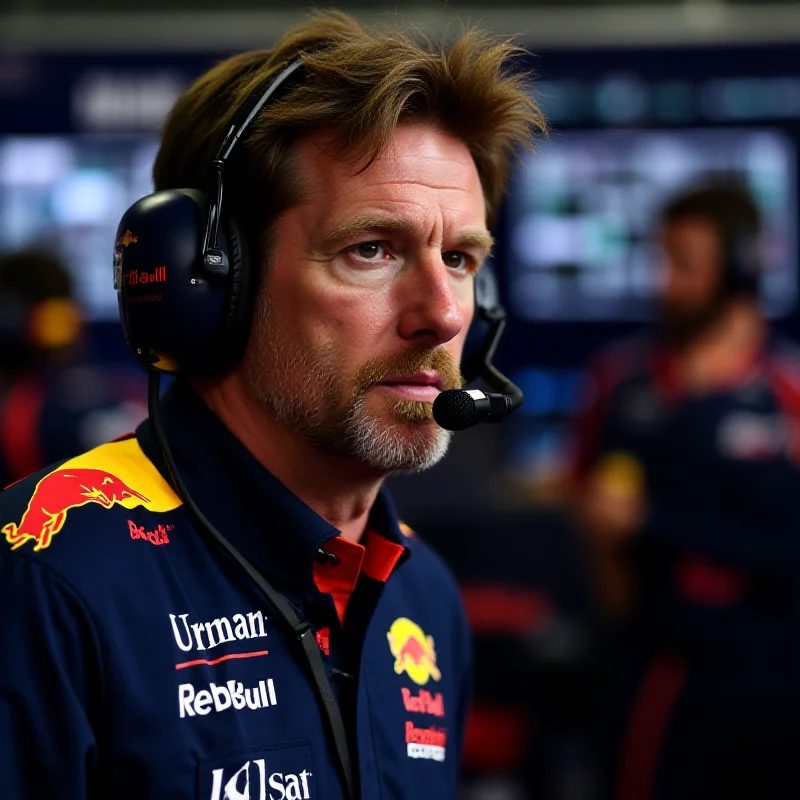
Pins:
<point x="716" y="621"/>
<point x="719" y="552"/>
<point x="139" y="661"/>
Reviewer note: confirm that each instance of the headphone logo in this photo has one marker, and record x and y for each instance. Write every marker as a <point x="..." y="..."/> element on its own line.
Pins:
<point x="126" y="239"/>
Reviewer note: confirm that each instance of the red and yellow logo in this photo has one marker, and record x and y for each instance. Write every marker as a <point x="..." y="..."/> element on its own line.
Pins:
<point x="413" y="651"/>
<point x="126" y="239"/>
<point x="57" y="493"/>
<point x="104" y="476"/>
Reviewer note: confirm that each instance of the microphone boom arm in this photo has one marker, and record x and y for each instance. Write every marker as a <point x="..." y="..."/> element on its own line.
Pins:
<point x="480" y="363"/>
<point x="458" y="409"/>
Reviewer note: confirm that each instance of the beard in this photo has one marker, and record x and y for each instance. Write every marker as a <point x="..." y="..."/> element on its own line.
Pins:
<point x="683" y="326"/>
<point x="301" y="388"/>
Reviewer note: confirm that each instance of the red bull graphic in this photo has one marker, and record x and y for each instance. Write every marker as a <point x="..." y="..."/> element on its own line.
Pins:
<point x="413" y="651"/>
<point x="56" y="494"/>
<point x="126" y="239"/>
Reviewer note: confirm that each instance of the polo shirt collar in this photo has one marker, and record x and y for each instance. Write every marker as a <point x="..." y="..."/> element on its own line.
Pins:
<point x="272" y="528"/>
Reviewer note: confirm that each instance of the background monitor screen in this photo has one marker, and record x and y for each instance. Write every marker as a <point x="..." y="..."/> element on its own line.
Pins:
<point x="581" y="243"/>
<point x="67" y="194"/>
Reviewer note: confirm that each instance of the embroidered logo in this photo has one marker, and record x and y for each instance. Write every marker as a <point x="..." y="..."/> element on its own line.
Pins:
<point x="413" y="651"/>
<point x="423" y="703"/>
<point x="57" y="493"/>
<point x="158" y="536"/>
<point x="429" y="743"/>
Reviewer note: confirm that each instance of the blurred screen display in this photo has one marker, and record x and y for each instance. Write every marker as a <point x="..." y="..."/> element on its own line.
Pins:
<point x="581" y="216"/>
<point x="67" y="194"/>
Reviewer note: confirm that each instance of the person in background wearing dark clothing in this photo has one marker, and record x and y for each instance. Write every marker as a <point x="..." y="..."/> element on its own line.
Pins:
<point x="54" y="403"/>
<point x="688" y="485"/>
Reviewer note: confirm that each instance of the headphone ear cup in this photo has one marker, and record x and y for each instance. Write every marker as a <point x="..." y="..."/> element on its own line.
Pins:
<point x="177" y="318"/>
<point x="742" y="263"/>
<point x="237" y="316"/>
<point x="171" y="311"/>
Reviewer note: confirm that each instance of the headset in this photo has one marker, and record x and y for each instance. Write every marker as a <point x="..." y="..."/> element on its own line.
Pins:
<point x="741" y="267"/>
<point x="185" y="283"/>
<point x="182" y="268"/>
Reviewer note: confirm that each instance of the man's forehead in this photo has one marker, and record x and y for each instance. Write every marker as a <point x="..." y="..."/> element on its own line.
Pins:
<point x="415" y="151"/>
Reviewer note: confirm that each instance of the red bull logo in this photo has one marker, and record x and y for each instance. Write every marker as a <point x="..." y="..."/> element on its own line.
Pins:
<point x="126" y="239"/>
<point x="57" y="493"/>
<point x="413" y="651"/>
<point x="139" y="277"/>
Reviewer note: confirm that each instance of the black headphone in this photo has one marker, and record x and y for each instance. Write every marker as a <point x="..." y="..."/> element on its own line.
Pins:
<point x="182" y="268"/>
<point x="742" y="265"/>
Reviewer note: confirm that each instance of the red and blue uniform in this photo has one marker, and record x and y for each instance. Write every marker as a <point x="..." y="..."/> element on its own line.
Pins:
<point x="709" y="662"/>
<point x="139" y="661"/>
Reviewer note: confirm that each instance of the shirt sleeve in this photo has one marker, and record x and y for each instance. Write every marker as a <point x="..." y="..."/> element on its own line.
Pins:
<point x="47" y="677"/>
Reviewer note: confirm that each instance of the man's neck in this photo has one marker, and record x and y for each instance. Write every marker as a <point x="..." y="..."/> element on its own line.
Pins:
<point x="339" y="491"/>
<point x="724" y="352"/>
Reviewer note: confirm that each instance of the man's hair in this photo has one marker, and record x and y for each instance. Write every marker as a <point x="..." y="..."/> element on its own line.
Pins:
<point x="360" y="82"/>
<point x="727" y="205"/>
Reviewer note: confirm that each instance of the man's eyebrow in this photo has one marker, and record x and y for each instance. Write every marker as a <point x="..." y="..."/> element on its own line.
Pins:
<point x="476" y="237"/>
<point x="471" y="237"/>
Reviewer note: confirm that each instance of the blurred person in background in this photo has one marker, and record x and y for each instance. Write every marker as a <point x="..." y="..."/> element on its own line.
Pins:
<point x="54" y="403"/>
<point x="688" y="485"/>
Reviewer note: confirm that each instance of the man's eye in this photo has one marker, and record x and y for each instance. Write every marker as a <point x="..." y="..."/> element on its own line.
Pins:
<point x="369" y="250"/>
<point x="453" y="259"/>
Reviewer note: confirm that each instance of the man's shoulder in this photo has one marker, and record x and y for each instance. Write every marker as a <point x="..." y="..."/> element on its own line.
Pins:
<point x="427" y="568"/>
<point x="783" y="356"/>
<point x="64" y="514"/>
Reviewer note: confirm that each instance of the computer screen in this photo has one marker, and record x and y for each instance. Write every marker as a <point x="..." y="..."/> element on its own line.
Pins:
<point x="582" y="216"/>
<point x="67" y="194"/>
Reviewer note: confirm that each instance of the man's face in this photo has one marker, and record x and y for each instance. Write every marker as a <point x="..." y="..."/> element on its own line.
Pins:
<point x="368" y="296"/>
<point x="692" y="294"/>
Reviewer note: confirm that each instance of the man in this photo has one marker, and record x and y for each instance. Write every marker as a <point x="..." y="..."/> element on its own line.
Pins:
<point x="54" y="401"/>
<point x="688" y="477"/>
<point x="141" y="660"/>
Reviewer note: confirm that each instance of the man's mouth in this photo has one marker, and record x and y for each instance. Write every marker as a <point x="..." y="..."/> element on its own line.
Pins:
<point x="422" y="386"/>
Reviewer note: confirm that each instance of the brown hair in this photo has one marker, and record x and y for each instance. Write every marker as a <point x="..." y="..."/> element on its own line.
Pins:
<point x="726" y="204"/>
<point x="361" y="83"/>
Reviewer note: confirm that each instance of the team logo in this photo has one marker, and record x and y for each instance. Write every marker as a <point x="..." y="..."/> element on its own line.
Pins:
<point x="158" y="536"/>
<point x="60" y="491"/>
<point x="253" y="780"/>
<point x="413" y="651"/>
<point x="126" y="239"/>
<point x="429" y="743"/>
<point x="423" y="703"/>
<point x="230" y="695"/>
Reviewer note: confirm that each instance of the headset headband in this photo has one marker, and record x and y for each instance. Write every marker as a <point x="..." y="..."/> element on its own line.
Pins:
<point x="214" y="259"/>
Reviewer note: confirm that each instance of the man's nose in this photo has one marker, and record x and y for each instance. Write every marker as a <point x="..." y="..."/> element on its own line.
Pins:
<point x="435" y="303"/>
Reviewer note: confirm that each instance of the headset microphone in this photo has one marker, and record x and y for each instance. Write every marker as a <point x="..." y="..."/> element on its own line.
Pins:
<point x="458" y="409"/>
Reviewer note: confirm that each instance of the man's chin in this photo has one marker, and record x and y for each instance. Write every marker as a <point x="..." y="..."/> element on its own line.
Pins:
<point x="413" y="411"/>
<point x="409" y="441"/>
